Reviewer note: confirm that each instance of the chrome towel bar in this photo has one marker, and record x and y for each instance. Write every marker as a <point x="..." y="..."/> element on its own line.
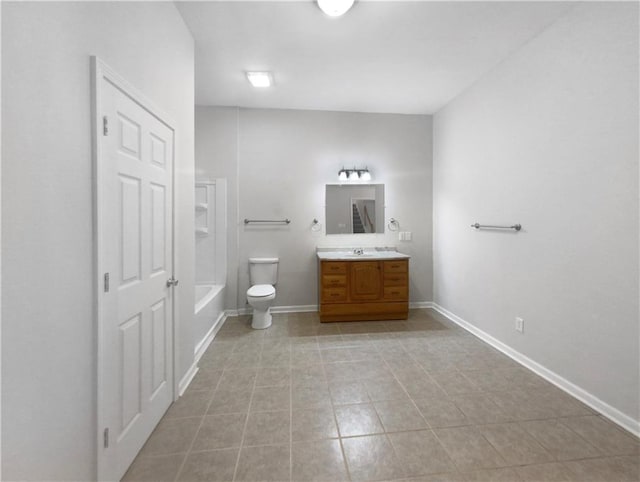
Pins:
<point x="517" y="227"/>
<point x="251" y="221"/>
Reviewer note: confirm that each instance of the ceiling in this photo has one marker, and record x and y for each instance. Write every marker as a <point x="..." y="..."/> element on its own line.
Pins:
<point x="382" y="56"/>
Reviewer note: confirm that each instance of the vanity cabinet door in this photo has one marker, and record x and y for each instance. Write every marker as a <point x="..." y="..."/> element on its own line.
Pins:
<point x="366" y="281"/>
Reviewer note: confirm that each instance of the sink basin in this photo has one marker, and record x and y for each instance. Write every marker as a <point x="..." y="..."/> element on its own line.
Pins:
<point x="347" y="254"/>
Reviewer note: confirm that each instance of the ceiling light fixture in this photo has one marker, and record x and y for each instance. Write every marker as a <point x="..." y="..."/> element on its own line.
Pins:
<point x="260" y="79"/>
<point x="354" y="174"/>
<point x="335" y="8"/>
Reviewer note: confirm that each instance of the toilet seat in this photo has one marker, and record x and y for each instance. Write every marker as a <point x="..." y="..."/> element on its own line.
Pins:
<point x="260" y="291"/>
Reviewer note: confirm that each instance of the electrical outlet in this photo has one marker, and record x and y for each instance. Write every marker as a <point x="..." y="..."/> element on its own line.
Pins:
<point x="519" y="324"/>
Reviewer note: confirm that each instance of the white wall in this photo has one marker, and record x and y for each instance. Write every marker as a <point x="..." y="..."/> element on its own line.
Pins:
<point x="49" y="333"/>
<point x="549" y="139"/>
<point x="285" y="158"/>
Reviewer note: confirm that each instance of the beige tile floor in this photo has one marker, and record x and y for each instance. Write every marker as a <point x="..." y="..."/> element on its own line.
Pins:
<point x="418" y="400"/>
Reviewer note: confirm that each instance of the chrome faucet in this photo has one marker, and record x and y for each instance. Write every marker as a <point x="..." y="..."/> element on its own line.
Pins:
<point x="358" y="251"/>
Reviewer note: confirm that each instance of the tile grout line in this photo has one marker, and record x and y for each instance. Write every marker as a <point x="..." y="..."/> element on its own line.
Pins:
<point x="246" y="422"/>
<point x="195" y="436"/>
<point x="290" y="413"/>
<point x="335" y="420"/>
<point x="393" y="447"/>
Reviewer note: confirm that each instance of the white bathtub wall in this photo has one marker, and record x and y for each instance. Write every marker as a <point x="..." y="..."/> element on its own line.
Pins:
<point x="205" y="243"/>
<point x="216" y="158"/>
<point x="549" y="139"/>
<point x="284" y="159"/>
<point x="211" y="261"/>
<point x="211" y="248"/>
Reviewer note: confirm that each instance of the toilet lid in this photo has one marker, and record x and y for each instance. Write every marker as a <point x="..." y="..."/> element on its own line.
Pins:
<point x="261" y="290"/>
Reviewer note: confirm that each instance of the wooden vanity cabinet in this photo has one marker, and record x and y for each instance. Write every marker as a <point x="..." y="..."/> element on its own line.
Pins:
<point x="363" y="290"/>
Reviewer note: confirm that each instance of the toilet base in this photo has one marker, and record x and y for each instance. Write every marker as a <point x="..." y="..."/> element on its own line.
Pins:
<point x="261" y="319"/>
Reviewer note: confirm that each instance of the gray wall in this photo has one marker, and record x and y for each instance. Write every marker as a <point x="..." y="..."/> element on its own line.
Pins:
<point x="549" y="139"/>
<point x="49" y="332"/>
<point x="278" y="162"/>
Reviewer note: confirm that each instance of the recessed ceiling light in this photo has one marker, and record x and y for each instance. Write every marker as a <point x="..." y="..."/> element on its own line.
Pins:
<point x="260" y="79"/>
<point x="335" y="8"/>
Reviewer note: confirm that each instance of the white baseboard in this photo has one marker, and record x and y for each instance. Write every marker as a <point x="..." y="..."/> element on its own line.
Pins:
<point x="420" y="304"/>
<point x="311" y="308"/>
<point x="294" y="309"/>
<point x="186" y="379"/>
<point x="275" y="309"/>
<point x="587" y="398"/>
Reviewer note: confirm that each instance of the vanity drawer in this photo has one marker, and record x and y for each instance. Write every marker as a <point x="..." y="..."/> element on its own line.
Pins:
<point x="334" y="267"/>
<point x="330" y="280"/>
<point x="396" y="266"/>
<point x="396" y="292"/>
<point x="395" y="279"/>
<point x="331" y="295"/>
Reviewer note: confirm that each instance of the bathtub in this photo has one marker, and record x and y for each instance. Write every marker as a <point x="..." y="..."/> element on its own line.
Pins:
<point x="209" y="312"/>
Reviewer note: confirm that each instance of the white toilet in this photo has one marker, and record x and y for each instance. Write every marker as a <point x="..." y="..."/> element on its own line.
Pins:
<point x="263" y="275"/>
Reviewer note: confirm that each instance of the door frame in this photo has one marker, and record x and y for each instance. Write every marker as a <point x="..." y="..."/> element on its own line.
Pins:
<point x="100" y="70"/>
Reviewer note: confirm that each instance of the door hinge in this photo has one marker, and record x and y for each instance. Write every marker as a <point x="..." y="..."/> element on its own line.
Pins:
<point x="105" y="126"/>
<point x="106" y="282"/>
<point x="105" y="438"/>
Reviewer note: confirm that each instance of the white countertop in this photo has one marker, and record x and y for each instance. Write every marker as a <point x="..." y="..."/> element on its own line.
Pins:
<point x="369" y="254"/>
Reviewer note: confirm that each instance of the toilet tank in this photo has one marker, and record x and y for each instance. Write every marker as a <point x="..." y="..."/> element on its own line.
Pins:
<point x="263" y="271"/>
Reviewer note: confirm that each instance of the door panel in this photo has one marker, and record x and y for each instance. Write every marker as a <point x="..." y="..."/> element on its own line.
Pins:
<point x="129" y="138"/>
<point x="130" y="228"/>
<point x="131" y="365"/>
<point x="159" y="336"/>
<point x="136" y="235"/>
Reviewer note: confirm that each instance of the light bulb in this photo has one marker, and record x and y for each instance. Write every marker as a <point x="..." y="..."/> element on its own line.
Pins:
<point x="335" y="8"/>
<point x="353" y="176"/>
<point x="342" y="175"/>
<point x="366" y="175"/>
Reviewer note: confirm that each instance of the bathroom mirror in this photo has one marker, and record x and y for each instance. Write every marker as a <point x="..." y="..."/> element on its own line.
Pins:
<point x="354" y="208"/>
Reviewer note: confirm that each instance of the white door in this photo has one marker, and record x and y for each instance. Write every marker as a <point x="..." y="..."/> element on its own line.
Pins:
<point x="135" y="165"/>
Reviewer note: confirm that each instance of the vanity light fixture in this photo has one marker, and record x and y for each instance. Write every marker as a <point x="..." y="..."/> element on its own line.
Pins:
<point x="354" y="174"/>
<point x="260" y="79"/>
<point x="335" y="8"/>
